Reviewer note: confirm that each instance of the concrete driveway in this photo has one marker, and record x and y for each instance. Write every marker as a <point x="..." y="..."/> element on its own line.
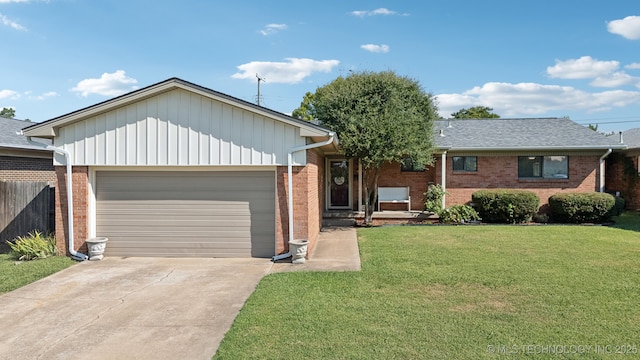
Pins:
<point x="128" y="308"/>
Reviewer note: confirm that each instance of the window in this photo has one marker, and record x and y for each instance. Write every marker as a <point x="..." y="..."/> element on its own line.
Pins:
<point x="407" y="164"/>
<point x="546" y="167"/>
<point x="465" y="163"/>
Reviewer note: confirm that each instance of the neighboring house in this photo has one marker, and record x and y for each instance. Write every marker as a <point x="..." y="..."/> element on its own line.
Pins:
<point x="623" y="170"/>
<point x="176" y="169"/>
<point x="546" y="156"/>
<point x="21" y="160"/>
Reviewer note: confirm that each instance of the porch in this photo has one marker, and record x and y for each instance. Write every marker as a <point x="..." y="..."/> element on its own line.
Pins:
<point x="351" y="218"/>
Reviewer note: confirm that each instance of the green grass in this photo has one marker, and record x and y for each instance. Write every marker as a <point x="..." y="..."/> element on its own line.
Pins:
<point x="15" y="274"/>
<point x="435" y="292"/>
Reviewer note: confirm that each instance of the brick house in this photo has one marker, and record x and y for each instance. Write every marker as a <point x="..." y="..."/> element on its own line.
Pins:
<point x="20" y="160"/>
<point x="623" y="169"/>
<point x="546" y="156"/>
<point x="177" y="169"/>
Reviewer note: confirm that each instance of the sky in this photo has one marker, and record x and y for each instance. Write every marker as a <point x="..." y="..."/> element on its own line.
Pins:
<point x="527" y="58"/>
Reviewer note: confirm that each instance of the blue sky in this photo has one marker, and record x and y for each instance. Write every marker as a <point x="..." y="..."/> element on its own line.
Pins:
<point x="523" y="58"/>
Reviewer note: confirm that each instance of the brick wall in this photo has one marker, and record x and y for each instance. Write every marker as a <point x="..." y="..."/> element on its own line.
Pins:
<point x="502" y="172"/>
<point x="418" y="181"/>
<point x="26" y="169"/>
<point x="615" y="178"/>
<point x="308" y="202"/>
<point x="80" y="177"/>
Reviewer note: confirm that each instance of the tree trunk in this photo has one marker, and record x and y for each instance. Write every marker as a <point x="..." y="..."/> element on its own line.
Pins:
<point x="370" y="184"/>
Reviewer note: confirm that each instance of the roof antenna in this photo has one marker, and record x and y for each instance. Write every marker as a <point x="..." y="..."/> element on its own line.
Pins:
<point x="259" y="79"/>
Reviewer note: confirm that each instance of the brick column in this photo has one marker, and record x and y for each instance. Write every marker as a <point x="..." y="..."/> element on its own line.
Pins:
<point x="80" y="178"/>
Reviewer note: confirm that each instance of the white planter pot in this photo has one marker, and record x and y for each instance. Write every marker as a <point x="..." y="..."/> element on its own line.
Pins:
<point x="298" y="249"/>
<point x="96" y="247"/>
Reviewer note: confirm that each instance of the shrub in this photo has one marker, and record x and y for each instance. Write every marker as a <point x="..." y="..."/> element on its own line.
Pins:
<point x="457" y="214"/>
<point x="581" y="207"/>
<point x="33" y="246"/>
<point x="433" y="198"/>
<point x="505" y="205"/>
<point x="618" y="208"/>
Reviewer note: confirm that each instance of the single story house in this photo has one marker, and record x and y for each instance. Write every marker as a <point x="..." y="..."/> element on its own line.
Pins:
<point x="177" y="169"/>
<point x="543" y="155"/>
<point x="623" y="169"/>
<point x="21" y="160"/>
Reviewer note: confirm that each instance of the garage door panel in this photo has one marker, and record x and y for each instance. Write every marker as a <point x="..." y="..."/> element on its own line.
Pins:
<point x="202" y="214"/>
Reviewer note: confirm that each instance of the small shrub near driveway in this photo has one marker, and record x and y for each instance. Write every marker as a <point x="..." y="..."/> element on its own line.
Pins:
<point x="458" y="214"/>
<point x="33" y="246"/>
<point x="507" y="206"/>
<point x="582" y="207"/>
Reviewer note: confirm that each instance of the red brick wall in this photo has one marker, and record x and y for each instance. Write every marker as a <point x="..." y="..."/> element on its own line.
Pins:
<point x="418" y="181"/>
<point x="26" y="169"/>
<point x="502" y="172"/>
<point x="80" y="177"/>
<point x="615" y="179"/>
<point x="308" y="202"/>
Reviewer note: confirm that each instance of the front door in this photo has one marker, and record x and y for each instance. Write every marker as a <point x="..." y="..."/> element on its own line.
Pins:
<point x="339" y="179"/>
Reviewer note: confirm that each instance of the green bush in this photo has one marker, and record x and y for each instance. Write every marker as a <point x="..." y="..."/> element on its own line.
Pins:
<point x="433" y="198"/>
<point x="33" y="246"/>
<point x="458" y="214"/>
<point x="505" y="205"/>
<point x="582" y="207"/>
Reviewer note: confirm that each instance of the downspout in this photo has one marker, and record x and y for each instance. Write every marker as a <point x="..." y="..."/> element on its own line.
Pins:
<point x="290" y="185"/>
<point x="602" y="169"/>
<point x="74" y="254"/>
<point x="444" y="178"/>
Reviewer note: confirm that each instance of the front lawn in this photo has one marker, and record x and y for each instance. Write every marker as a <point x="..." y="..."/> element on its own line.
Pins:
<point x="14" y="274"/>
<point x="460" y="292"/>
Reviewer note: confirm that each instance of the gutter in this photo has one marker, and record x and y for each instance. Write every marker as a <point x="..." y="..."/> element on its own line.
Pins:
<point x="67" y="155"/>
<point x="290" y="186"/>
<point x="602" y="169"/>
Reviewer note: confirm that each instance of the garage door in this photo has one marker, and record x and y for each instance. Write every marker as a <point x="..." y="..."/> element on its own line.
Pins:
<point x="186" y="214"/>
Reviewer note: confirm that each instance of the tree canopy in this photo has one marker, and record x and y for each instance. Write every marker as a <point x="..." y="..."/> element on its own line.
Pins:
<point x="380" y="117"/>
<point x="476" y="112"/>
<point x="306" y="110"/>
<point x="8" y="112"/>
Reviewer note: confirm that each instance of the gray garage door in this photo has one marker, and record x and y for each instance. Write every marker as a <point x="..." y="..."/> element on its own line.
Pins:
<point x="186" y="214"/>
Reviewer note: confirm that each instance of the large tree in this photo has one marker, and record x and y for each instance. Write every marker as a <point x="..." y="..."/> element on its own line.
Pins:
<point x="476" y="112"/>
<point x="380" y="117"/>
<point x="8" y="112"/>
<point x="306" y="111"/>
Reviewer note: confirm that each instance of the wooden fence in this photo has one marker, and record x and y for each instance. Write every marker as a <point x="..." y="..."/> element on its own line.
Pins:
<point x="26" y="206"/>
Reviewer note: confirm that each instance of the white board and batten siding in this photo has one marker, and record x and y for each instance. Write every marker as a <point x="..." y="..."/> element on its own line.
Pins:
<point x="178" y="128"/>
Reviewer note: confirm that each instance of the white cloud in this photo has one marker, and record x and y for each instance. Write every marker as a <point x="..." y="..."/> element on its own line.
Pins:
<point x="113" y="84"/>
<point x="529" y="99"/>
<point x="583" y="68"/>
<point x="376" y="48"/>
<point x="10" y="23"/>
<point x="13" y="1"/>
<point x="293" y="71"/>
<point x="379" y="11"/>
<point x="9" y="94"/>
<point x="44" y="96"/>
<point x="616" y="79"/>
<point x="271" y="29"/>
<point x="628" y="27"/>
<point x="634" y="66"/>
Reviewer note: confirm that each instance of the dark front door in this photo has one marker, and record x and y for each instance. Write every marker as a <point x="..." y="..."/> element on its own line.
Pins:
<point x="339" y="184"/>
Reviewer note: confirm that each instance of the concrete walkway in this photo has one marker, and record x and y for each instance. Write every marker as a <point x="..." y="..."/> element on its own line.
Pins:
<point x="145" y="308"/>
<point x="336" y="250"/>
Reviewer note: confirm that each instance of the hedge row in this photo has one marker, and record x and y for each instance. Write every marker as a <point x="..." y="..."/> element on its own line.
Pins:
<point x="519" y="206"/>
